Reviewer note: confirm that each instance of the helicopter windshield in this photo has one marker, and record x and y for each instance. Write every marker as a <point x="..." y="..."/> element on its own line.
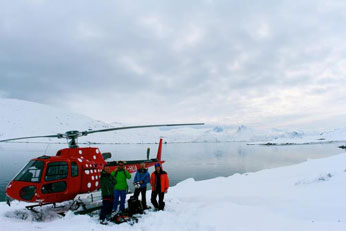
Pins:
<point x="31" y="172"/>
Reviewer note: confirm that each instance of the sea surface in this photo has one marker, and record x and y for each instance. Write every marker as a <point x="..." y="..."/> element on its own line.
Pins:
<point x="183" y="160"/>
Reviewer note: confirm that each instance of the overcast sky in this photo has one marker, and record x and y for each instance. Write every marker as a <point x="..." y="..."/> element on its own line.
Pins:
<point x="259" y="63"/>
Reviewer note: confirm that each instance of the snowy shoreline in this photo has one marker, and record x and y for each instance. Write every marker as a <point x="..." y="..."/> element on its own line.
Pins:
<point x="282" y="143"/>
<point x="306" y="196"/>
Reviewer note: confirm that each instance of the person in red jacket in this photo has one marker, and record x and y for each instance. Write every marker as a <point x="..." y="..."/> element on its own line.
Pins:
<point x="159" y="182"/>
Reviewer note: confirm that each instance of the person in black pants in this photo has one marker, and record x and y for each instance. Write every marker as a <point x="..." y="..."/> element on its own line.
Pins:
<point x="159" y="182"/>
<point x="141" y="180"/>
<point x="107" y="182"/>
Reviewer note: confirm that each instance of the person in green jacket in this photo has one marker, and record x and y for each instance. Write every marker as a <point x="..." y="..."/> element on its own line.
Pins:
<point x="107" y="182"/>
<point x="120" y="187"/>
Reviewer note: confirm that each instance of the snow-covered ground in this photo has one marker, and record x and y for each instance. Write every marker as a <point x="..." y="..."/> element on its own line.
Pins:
<point x="307" y="196"/>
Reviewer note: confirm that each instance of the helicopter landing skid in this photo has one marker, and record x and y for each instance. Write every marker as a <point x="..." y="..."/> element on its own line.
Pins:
<point x="61" y="209"/>
<point x="32" y="207"/>
<point x="85" y="203"/>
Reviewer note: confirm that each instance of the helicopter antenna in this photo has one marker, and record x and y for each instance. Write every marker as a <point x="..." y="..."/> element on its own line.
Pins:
<point x="45" y="151"/>
<point x="72" y="136"/>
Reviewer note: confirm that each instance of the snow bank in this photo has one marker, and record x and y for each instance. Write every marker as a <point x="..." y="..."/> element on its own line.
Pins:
<point x="307" y="196"/>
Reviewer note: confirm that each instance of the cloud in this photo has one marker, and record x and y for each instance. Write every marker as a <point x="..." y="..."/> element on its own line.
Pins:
<point x="219" y="61"/>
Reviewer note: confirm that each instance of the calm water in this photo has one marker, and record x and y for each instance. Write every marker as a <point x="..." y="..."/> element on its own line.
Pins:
<point x="184" y="160"/>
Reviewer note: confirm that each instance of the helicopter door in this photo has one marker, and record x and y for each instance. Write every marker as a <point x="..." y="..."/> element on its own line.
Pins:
<point x="74" y="179"/>
<point x="55" y="185"/>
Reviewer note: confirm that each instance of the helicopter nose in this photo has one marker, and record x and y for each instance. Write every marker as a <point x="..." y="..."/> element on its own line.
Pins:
<point x="8" y="200"/>
<point x="10" y="192"/>
<point x="18" y="191"/>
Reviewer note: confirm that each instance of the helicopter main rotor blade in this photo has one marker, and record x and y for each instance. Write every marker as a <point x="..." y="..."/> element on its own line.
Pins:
<point x="73" y="135"/>
<point x="140" y="126"/>
<point x="33" y="137"/>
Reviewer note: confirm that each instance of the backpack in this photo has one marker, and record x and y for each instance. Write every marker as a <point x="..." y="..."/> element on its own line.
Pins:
<point x="134" y="205"/>
<point x="124" y="217"/>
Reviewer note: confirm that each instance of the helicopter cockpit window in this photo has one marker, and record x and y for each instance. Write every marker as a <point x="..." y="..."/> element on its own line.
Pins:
<point x="74" y="169"/>
<point x="56" y="171"/>
<point x="31" y="172"/>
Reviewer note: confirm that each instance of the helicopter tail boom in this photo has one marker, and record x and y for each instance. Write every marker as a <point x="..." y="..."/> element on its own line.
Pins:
<point x="159" y="151"/>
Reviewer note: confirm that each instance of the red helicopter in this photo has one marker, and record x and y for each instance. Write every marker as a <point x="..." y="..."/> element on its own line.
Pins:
<point x="72" y="171"/>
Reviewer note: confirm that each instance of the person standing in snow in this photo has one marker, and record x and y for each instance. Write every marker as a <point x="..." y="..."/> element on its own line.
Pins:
<point x="107" y="182"/>
<point x="142" y="178"/>
<point x="120" y="187"/>
<point x="159" y="182"/>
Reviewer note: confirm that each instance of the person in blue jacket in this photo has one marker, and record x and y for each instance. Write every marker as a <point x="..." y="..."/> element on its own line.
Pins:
<point x="141" y="180"/>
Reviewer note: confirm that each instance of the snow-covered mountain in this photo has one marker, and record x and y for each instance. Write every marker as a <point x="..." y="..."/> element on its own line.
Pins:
<point x="23" y="118"/>
<point x="20" y="118"/>
<point x="336" y="135"/>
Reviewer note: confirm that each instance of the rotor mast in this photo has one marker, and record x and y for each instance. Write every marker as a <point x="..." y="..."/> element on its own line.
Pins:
<point x="72" y="138"/>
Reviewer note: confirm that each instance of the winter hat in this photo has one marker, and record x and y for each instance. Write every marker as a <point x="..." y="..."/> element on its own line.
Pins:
<point x="157" y="165"/>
